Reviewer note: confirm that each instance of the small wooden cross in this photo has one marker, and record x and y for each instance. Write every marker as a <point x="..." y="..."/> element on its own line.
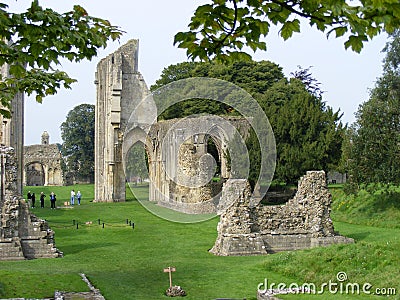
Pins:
<point x="170" y="270"/>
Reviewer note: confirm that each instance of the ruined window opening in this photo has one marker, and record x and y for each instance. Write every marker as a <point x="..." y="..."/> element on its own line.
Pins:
<point x="35" y="175"/>
<point x="137" y="164"/>
<point x="213" y="150"/>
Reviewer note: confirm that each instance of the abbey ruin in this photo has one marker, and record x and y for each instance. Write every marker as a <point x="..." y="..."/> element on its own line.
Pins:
<point x="181" y="168"/>
<point x="120" y="88"/>
<point x="302" y="222"/>
<point x="22" y="234"/>
<point x="42" y="163"/>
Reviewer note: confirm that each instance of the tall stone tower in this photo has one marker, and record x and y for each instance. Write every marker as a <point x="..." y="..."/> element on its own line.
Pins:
<point x="12" y="130"/>
<point x="120" y="88"/>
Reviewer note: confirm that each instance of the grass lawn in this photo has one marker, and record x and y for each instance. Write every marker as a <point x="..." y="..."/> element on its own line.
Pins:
<point x="127" y="263"/>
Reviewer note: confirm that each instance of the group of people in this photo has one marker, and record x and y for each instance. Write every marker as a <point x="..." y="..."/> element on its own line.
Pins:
<point x="32" y="199"/>
<point x="78" y="196"/>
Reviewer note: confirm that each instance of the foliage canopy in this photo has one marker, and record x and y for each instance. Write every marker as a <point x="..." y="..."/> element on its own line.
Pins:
<point x="308" y="133"/>
<point x="223" y="28"/>
<point x="32" y="44"/>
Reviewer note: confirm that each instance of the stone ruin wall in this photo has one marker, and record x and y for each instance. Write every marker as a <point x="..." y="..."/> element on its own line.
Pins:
<point x="49" y="157"/>
<point x="166" y="145"/>
<point x="303" y="222"/>
<point x="12" y="130"/>
<point x="120" y="87"/>
<point x="22" y="234"/>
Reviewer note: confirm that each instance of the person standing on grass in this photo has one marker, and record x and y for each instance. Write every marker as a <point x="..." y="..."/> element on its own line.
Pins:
<point x="72" y="197"/>
<point x="79" y="196"/>
<point x="42" y="196"/>
<point x="29" y="197"/>
<point x="33" y="199"/>
<point x="53" y="200"/>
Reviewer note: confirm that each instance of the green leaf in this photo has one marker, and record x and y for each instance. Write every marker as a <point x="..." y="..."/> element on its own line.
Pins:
<point x="17" y="70"/>
<point x="288" y="28"/>
<point x="340" y="31"/>
<point x="356" y="43"/>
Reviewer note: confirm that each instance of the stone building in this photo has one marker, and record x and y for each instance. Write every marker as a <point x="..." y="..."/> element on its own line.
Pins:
<point x="42" y="163"/>
<point x="125" y="116"/>
<point x="120" y="88"/>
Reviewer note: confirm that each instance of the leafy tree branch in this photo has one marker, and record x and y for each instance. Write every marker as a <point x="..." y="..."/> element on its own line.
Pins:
<point x="33" y="42"/>
<point x="221" y="29"/>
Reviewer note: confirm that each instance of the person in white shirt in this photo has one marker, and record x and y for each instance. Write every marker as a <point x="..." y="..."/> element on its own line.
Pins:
<point x="72" y="197"/>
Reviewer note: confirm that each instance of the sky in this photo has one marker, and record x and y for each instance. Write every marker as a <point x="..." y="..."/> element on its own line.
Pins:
<point x="345" y="76"/>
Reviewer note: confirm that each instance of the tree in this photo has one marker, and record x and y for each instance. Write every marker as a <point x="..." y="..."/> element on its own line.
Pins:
<point x="221" y="29"/>
<point x="308" y="133"/>
<point x="311" y="84"/>
<point x="77" y="133"/>
<point x="32" y="44"/>
<point x="373" y="149"/>
<point x="254" y="77"/>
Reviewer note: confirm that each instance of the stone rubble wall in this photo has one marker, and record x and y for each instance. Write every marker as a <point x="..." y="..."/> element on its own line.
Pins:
<point x="22" y="234"/>
<point x="302" y="222"/>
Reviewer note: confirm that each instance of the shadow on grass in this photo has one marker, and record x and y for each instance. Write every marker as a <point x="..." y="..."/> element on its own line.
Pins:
<point x="359" y="236"/>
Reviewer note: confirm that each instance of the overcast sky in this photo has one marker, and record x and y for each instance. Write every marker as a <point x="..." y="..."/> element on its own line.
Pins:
<point x="345" y="76"/>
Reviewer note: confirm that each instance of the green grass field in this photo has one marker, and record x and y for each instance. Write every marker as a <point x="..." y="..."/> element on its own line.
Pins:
<point x="127" y="263"/>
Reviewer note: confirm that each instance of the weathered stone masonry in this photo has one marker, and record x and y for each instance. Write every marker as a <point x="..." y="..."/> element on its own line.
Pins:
<point x="12" y="130"/>
<point x="22" y="234"/>
<point x="122" y="120"/>
<point x="303" y="222"/>
<point x="42" y="163"/>
<point x="120" y="87"/>
<point x="174" y="161"/>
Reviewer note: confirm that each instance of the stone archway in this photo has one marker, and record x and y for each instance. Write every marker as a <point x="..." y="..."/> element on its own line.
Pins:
<point x="182" y="167"/>
<point x="126" y="114"/>
<point x="34" y="174"/>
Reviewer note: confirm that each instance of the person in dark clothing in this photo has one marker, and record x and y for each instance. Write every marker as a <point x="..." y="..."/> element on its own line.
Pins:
<point x="29" y="197"/>
<point x="42" y="196"/>
<point x="33" y="199"/>
<point x="53" y="200"/>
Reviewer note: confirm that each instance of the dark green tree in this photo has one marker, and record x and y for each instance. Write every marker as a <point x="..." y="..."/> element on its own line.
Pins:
<point x="77" y="133"/>
<point x="312" y="85"/>
<point x="308" y="133"/>
<point x="373" y="154"/>
<point x="254" y="77"/>
<point x="32" y="44"/>
<point x="223" y="28"/>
